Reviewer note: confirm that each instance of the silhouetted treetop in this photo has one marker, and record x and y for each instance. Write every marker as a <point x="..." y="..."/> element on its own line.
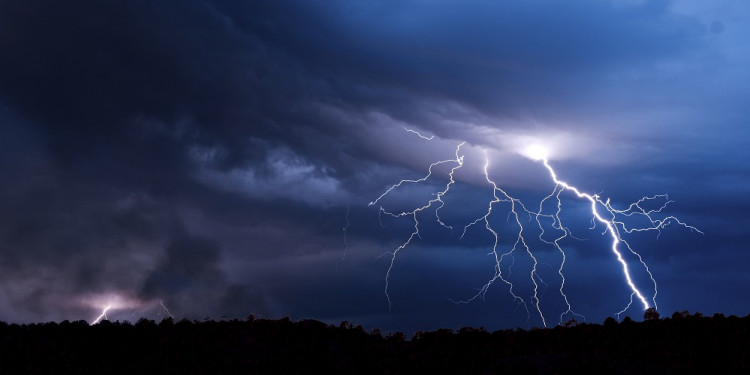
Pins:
<point x="686" y="343"/>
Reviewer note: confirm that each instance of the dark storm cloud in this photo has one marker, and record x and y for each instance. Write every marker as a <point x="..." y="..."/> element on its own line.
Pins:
<point x="206" y="153"/>
<point x="473" y="50"/>
<point x="191" y="278"/>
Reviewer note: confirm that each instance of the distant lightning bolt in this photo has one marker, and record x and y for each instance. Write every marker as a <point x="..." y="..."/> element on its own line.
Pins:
<point x="602" y="212"/>
<point x="346" y="241"/>
<point x="165" y="309"/>
<point x="103" y="315"/>
<point x="117" y="302"/>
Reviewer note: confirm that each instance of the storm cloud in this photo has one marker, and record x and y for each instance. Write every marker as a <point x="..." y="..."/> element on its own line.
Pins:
<point x="219" y="156"/>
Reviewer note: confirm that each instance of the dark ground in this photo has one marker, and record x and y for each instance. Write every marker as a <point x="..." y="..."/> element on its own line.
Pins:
<point x="683" y="343"/>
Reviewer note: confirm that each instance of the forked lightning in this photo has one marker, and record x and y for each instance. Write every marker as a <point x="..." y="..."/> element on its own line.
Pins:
<point x="602" y="212"/>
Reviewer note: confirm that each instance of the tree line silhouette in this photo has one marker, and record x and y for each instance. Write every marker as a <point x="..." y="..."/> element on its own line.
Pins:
<point x="682" y="343"/>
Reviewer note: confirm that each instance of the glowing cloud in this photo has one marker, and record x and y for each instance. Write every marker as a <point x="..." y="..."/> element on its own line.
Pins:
<point x="536" y="152"/>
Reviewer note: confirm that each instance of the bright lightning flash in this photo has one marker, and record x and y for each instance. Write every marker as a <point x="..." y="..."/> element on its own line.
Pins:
<point x="107" y="303"/>
<point x="103" y="315"/>
<point x="615" y="226"/>
<point x="602" y="212"/>
<point x="536" y="152"/>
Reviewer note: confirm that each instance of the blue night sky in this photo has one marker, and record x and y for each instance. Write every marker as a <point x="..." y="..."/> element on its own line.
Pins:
<point x="217" y="158"/>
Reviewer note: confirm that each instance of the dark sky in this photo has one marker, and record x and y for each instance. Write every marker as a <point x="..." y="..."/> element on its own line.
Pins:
<point x="218" y="157"/>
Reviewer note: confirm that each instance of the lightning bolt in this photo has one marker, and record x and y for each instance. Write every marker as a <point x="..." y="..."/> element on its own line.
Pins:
<point x="115" y="301"/>
<point x="515" y="205"/>
<point x="346" y="241"/>
<point x="165" y="309"/>
<point x="614" y="228"/>
<point x="419" y="134"/>
<point x="564" y="233"/>
<point x="103" y="315"/>
<point x="458" y="161"/>
<point x="602" y="213"/>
